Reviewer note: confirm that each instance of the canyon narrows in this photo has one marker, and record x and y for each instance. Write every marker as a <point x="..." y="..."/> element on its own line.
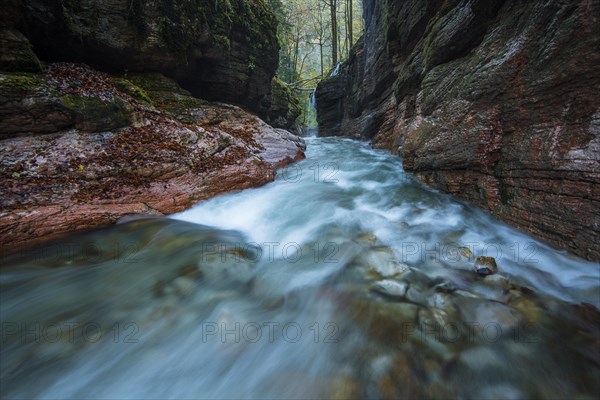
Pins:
<point x="495" y="102"/>
<point x="325" y="199"/>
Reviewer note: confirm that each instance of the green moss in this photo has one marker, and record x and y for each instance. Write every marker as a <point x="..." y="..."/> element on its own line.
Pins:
<point x="282" y="94"/>
<point x="224" y="140"/>
<point x="80" y="18"/>
<point x="252" y="21"/>
<point x="94" y="114"/>
<point x="147" y="82"/>
<point x="177" y="104"/>
<point x="285" y="102"/>
<point x="20" y="60"/>
<point x="134" y="91"/>
<point x="181" y="23"/>
<point x="180" y="107"/>
<point x="24" y="82"/>
<point x="166" y="95"/>
<point x="82" y="104"/>
<point x="152" y="82"/>
<point x="222" y="42"/>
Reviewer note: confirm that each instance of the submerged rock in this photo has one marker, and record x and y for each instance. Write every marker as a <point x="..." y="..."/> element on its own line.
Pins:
<point x="382" y="261"/>
<point x="485" y="266"/>
<point x="368" y="238"/>
<point x="496" y="319"/>
<point x="391" y="288"/>
<point x="343" y="388"/>
<point x="416" y="296"/>
<point x="183" y="285"/>
<point x="465" y="252"/>
<point x="445" y="287"/>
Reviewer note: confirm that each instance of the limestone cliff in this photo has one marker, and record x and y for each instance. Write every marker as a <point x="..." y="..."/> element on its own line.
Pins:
<point x="497" y="102"/>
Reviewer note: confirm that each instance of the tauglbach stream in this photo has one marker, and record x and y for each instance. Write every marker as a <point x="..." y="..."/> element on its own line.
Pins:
<point x="345" y="277"/>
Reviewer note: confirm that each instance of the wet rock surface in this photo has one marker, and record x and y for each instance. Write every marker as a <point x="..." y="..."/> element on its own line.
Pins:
<point x="452" y="334"/>
<point x="495" y="102"/>
<point x="172" y="151"/>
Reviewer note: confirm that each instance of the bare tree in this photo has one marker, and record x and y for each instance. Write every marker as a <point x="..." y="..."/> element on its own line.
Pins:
<point x="333" y="5"/>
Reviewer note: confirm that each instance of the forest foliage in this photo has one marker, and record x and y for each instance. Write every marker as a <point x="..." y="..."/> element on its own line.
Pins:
<point x="314" y="35"/>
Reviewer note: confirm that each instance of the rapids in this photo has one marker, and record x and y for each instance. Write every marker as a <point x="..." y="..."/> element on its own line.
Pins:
<point x="345" y="277"/>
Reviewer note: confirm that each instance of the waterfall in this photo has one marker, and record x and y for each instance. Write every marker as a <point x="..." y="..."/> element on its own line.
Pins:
<point x="313" y="100"/>
<point x="336" y="70"/>
<point x="311" y="131"/>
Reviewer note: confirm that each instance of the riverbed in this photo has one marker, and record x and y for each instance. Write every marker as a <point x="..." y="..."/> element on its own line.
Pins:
<point x="344" y="278"/>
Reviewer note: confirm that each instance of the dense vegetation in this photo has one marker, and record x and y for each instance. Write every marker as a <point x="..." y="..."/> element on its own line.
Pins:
<point x="315" y="35"/>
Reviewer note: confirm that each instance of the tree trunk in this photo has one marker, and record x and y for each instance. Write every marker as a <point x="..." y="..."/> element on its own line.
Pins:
<point x="334" y="33"/>
<point x="345" y="49"/>
<point x="296" y="53"/>
<point x="321" y="53"/>
<point x="350" y="23"/>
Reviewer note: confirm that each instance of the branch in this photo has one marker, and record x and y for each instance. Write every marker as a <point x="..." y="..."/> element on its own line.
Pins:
<point x="298" y="84"/>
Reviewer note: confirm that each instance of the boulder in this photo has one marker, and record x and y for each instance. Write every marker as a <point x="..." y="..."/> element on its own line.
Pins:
<point x="33" y="103"/>
<point x="80" y="175"/>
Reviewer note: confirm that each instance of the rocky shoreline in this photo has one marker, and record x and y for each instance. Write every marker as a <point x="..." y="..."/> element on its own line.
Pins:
<point x="101" y="114"/>
<point x="120" y="146"/>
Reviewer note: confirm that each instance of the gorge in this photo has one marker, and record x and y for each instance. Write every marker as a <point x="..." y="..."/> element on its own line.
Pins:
<point x="165" y="233"/>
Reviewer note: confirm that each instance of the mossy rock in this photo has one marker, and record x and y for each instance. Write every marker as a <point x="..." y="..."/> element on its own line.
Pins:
<point x="155" y="82"/>
<point x="23" y="82"/>
<point x="180" y="107"/>
<point x="166" y="95"/>
<point x="285" y="105"/>
<point x="134" y="91"/>
<point x="29" y="105"/>
<point x="222" y="42"/>
<point x="93" y="114"/>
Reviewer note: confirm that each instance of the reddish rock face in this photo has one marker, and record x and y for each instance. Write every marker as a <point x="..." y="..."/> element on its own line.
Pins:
<point x="164" y="163"/>
<point x="495" y="102"/>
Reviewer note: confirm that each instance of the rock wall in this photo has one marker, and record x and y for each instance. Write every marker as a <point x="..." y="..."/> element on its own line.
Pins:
<point x="217" y="49"/>
<point x="497" y="102"/>
<point x="285" y="107"/>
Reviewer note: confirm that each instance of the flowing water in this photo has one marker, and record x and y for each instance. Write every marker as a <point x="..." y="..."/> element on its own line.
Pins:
<point x="344" y="278"/>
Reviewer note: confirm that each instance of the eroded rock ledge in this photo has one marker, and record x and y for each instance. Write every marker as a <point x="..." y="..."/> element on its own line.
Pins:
<point x="108" y="147"/>
<point x="497" y="102"/>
